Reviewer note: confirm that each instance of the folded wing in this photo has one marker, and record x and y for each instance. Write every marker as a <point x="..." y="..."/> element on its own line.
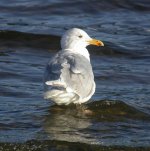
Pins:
<point x="71" y="72"/>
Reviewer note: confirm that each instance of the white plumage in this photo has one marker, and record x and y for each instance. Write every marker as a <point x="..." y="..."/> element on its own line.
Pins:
<point x="68" y="76"/>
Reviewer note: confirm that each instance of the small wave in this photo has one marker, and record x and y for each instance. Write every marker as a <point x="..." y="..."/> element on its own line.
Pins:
<point x="104" y="110"/>
<point x="35" y="145"/>
<point x="20" y="39"/>
<point x="116" y="110"/>
<point x="13" y="39"/>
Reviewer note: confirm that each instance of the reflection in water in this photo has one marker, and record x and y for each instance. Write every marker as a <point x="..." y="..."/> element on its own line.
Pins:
<point x="102" y="123"/>
<point x="69" y="124"/>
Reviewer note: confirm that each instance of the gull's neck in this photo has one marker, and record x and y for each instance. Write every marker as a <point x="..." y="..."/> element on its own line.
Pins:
<point x="82" y="51"/>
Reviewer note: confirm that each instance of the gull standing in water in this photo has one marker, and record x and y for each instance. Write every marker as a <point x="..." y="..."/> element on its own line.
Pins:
<point x="68" y="76"/>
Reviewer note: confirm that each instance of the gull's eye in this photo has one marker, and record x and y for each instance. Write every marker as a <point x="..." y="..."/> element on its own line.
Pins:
<point x="80" y="36"/>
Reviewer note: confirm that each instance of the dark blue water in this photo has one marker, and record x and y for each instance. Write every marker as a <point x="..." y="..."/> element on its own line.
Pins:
<point x="118" y="115"/>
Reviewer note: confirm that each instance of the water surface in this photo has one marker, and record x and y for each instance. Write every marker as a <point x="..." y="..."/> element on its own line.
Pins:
<point x="118" y="115"/>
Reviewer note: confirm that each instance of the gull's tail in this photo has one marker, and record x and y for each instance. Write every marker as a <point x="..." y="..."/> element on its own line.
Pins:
<point x="59" y="93"/>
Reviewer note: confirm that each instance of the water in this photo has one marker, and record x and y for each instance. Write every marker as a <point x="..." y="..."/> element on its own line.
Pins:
<point x="118" y="115"/>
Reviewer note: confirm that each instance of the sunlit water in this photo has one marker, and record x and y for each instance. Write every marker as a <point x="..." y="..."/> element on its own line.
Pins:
<point x="119" y="112"/>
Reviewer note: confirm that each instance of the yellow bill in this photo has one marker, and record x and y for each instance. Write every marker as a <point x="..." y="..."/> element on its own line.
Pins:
<point x="96" y="42"/>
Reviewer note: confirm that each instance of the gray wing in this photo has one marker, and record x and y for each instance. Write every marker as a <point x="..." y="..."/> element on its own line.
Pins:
<point x="74" y="70"/>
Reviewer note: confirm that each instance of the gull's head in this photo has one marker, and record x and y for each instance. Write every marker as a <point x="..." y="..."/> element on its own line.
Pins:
<point x="78" y="39"/>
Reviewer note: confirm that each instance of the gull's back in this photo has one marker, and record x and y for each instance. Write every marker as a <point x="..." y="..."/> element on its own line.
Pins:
<point x="69" y="79"/>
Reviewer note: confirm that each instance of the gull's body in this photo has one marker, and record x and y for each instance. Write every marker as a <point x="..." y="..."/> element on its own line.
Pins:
<point x="69" y="77"/>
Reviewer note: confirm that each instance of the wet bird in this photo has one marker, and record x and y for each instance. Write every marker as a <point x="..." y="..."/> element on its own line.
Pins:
<point x="69" y="76"/>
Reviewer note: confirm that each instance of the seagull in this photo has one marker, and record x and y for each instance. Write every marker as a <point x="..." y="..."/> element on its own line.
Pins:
<point x="68" y="75"/>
